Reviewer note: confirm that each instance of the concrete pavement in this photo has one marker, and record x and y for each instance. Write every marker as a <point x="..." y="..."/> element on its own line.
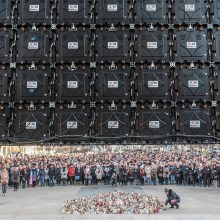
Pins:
<point x="46" y="203"/>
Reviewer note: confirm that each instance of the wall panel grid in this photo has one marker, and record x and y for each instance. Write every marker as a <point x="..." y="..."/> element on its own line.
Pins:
<point x="109" y="71"/>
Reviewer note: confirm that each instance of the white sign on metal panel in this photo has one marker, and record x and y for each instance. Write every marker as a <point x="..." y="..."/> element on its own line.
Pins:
<point x="33" y="45"/>
<point x="73" y="45"/>
<point x="72" y="84"/>
<point x="152" y="45"/>
<point x="153" y="84"/>
<point x="191" y="45"/>
<point x="189" y="7"/>
<point x="193" y="83"/>
<point x="72" y="125"/>
<point x="31" y="84"/>
<point x="112" y="45"/>
<point x="31" y="125"/>
<point x="34" y="7"/>
<point x="154" y="124"/>
<point x="112" y="84"/>
<point x="73" y="8"/>
<point x="113" y="124"/>
<point x="151" y="7"/>
<point x="195" y="124"/>
<point x="112" y="7"/>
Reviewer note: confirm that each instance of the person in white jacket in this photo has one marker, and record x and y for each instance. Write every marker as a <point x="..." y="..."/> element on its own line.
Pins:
<point x="99" y="174"/>
<point x="64" y="173"/>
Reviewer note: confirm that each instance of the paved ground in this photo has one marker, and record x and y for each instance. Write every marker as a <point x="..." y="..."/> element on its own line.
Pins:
<point x="46" y="203"/>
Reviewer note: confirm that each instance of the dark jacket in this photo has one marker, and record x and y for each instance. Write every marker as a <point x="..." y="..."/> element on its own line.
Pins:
<point x="172" y="195"/>
<point x="41" y="172"/>
<point x="78" y="171"/>
<point x="122" y="174"/>
<point x="15" y="176"/>
<point x="51" y="172"/>
<point x="34" y="174"/>
<point x="207" y="172"/>
<point x="58" y="174"/>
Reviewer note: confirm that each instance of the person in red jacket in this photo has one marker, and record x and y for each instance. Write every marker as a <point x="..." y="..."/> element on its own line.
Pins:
<point x="71" y="174"/>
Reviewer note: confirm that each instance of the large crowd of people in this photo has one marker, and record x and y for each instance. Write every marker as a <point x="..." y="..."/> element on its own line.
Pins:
<point x="124" y="168"/>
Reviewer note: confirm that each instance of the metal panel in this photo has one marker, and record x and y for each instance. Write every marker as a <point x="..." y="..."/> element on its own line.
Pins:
<point x="73" y="11"/>
<point x="32" y="85"/>
<point x="195" y="121"/>
<point x="151" y="11"/>
<point x="73" y="46"/>
<point x="152" y="46"/>
<point x="153" y="84"/>
<point x="193" y="84"/>
<point x="113" y="46"/>
<point x="5" y="11"/>
<point x="73" y="85"/>
<point x="31" y="124"/>
<point x="4" y="87"/>
<point x="112" y="11"/>
<point x="191" y="46"/>
<point x="34" y="11"/>
<point x="155" y="122"/>
<point x="3" y="124"/>
<point x="216" y="46"/>
<point x="33" y="46"/>
<point x="113" y="84"/>
<point x="4" y="46"/>
<point x="216" y="10"/>
<point x="190" y="11"/>
<point x="216" y="86"/>
<point x="113" y="123"/>
<point x="71" y="123"/>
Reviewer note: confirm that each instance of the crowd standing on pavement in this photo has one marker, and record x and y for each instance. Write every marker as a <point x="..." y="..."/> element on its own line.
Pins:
<point x="111" y="168"/>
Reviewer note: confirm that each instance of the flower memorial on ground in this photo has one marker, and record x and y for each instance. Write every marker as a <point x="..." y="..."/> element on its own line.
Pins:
<point x="116" y="202"/>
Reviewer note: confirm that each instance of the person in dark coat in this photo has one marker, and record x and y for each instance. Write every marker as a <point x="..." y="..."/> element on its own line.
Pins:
<point x="218" y="173"/>
<point x="28" y="176"/>
<point x="93" y="180"/>
<point x="23" y="176"/>
<point x="191" y="176"/>
<point x="160" y="175"/>
<point x="34" y="171"/>
<point x="172" y="198"/>
<point x="207" y="172"/>
<point x="131" y="175"/>
<point x="41" y="174"/>
<point x="51" y="174"/>
<point x="114" y="179"/>
<point x="107" y="175"/>
<point x="58" y="175"/>
<point x="200" y="174"/>
<point x="15" y="178"/>
<point x="122" y="175"/>
<point x="178" y="175"/>
<point x="185" y="169"/>
<point x="78" y="174"/>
